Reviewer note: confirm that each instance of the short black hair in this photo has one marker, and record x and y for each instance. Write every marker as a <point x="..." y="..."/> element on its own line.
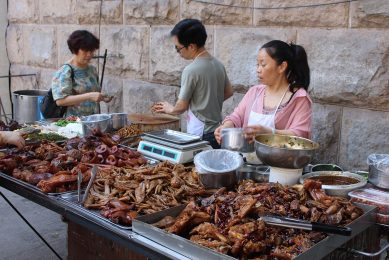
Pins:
<point x="190" y="31"/>
<point x="84" y="40"/>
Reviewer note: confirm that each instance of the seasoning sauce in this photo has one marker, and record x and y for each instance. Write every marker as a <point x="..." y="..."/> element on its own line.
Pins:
<point x="334" y="180"/>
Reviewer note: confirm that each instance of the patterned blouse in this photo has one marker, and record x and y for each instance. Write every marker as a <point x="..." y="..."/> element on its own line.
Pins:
<point x="85" y="80"/>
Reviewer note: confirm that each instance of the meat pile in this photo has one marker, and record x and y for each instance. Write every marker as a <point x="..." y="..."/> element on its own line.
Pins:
<point x="230" y="223"/>
<point x="54" y="168"/>
<point x="146" y="189"/>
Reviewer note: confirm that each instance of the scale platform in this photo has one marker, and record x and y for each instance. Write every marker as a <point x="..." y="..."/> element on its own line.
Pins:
<point x="173" y="152"/>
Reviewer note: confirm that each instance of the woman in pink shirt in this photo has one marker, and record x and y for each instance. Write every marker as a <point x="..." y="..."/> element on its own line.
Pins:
<point x="281" y="104"/>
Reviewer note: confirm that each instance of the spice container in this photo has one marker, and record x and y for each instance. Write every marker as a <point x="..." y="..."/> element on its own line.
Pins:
<point x="372" y="197"/>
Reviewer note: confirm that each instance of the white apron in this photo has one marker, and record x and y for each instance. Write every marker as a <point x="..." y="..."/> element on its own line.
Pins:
<point x="264" y="120"/>
<point x="194" y="125"/>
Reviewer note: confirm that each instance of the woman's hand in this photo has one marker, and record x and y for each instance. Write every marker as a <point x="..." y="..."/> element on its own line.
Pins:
<point x="218" y="131"/>
<point x="9" y="137"/>
<point x="162" y="107"/>
<point x="251" y="131"/>
<point x="95" y="96"/>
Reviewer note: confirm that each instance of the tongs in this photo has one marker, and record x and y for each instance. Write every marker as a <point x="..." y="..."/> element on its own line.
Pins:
<point x="79" y="181"/>
<point x="91" y="180"/>
<point x="306" y="225"/>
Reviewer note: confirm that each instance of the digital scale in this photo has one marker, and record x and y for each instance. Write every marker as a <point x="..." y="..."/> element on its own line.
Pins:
<point x="173" y="146"/>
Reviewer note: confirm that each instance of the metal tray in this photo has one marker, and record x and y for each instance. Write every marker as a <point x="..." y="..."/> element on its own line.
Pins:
<point x="142" y="225"/>
<point x="33" y="187"/>
<point x="71" y="200"/>
<point x="173" y="136"/>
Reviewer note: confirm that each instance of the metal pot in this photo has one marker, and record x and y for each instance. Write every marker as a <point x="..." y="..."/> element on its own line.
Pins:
<point x="97" y="122"/>
<point x="26" y="105"/>
<point x="284" y="151"/>
<point x="233" y="139"/>
<point x="118" y="120"/>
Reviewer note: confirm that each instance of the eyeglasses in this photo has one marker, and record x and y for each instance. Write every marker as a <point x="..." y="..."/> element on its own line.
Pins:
<point x="178" y="49"/>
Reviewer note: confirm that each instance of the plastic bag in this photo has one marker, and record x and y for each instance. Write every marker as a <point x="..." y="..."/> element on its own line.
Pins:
<point x="379" y="161"/>
<point x="217" y="161"/>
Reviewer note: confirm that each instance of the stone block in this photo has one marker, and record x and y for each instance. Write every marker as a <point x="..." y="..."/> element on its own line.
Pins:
<point x="139" y="96"/>
<point x="23" y="11"/>
<point x="363" y="132"/>
<point x="64" y="54"/>
<point x="88" y="12"/>
<point x="112" y="86"/>
<point x="151" y="11"/>
<point x="335" y="15"/>
<point x="371" y="14"/>
<point x="27" y="82"/>
<point x="45" y="79"/>
<point x="228" y="12"/>
<point x="348" y="67"/>
<point x="15" y="43"/>
<point x="230" y="104"/>
<point x="237" y="49"/>
<point x="326" y="125"/>
<point x="57" y="11"/>
<point x="40" y="46"/>
<point x="166" y="65"/>
<point x="132" y="45"/>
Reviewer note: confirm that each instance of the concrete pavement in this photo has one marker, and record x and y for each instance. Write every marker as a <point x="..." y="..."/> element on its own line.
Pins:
<point x="18" y="241"/>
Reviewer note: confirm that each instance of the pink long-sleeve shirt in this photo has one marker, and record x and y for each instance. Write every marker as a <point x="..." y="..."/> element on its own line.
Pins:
<point x="295" y="116"/>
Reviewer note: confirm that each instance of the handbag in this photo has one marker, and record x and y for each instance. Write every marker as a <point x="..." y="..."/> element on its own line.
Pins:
<point x="49" y="107"/>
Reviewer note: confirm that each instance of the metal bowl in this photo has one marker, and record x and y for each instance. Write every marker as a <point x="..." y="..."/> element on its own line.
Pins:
<point x="118" y="120"/>
<point x="97" y="122"/>
<point x="233" y="139"/>
<point x="284" y="151"/>
<point x="217" y="168"/>
<point x="253" y="172"/>
<point x="337" y="190"/>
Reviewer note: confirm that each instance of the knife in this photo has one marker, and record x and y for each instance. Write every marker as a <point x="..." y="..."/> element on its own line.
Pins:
<point x="306" y="225"/>
<point x="91" y="180"/>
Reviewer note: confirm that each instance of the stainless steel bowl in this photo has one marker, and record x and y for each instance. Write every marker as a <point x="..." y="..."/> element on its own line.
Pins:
<point x="217" y="168"/>
<point x="337" y="190"/>
<point x="97" y="122"/>
<point x="118" y="120"/>
<point x="284" y="151"/>
<point x="253" y="172"/>
<point x="233" y="139"/>
<point x="379" y="170"/>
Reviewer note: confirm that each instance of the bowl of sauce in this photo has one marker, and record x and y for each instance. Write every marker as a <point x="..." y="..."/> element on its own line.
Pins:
<point x="336" y="183"/>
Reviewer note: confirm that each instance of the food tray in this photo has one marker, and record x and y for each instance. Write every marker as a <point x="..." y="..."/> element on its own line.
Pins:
<point x="70" y="200"/>
<point x="372" y="196"/>
<point x="142" y="225"/>
<point x="173" y="136"/>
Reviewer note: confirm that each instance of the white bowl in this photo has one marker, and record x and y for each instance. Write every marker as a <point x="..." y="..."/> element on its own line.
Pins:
<point x="337" y="190"/>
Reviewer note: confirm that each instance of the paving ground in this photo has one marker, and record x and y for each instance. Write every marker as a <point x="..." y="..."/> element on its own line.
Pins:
<point x="18" y="241"/>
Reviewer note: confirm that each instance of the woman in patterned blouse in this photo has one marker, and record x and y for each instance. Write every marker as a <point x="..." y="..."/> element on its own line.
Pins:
<point x="75" y="85"/>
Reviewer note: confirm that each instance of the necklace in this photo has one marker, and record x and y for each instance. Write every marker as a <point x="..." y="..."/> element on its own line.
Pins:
<point x="199" y="54"/>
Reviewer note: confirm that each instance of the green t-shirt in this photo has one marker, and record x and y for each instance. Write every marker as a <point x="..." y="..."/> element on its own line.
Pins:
<point x="202" y="84"/>
<point x="85" y="80"/>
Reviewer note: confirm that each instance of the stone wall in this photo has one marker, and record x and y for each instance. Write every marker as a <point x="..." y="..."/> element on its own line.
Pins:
<point x="347" y="46"/>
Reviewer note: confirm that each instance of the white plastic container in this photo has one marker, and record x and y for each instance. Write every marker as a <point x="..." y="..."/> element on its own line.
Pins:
<point x="285" y="176"/>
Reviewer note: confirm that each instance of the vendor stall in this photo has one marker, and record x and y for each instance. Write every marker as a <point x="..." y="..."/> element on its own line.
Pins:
<point x="114" y="199"/>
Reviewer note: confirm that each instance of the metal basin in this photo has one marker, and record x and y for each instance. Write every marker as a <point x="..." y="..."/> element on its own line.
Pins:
<point x="97" y="122"/>
<point x="284" y="151"/>
<point x="118" y="120"/>
<point x="334" y="189"/>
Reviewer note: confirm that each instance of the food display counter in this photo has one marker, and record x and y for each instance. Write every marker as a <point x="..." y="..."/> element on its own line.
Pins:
<point x="158" y="190"/>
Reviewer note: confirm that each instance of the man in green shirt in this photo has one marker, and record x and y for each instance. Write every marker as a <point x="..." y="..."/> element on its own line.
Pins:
<point x="204" y="82"/>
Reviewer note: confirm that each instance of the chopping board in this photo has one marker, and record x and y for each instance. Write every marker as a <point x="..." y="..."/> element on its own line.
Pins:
<point x="152" y="119"/>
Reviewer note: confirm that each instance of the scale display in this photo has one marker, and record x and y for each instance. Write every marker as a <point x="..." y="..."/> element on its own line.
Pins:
<point x="162" y="152"/>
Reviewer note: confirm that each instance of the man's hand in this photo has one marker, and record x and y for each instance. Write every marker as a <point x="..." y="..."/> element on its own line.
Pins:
<point x="218" y="131"/>
<point x="162" y="107"/>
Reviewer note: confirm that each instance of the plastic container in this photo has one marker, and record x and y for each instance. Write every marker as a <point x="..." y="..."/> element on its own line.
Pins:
<point x="382" y="219"/>
<point x="285" y="176"/>
<point x="379" y="170"/>
<point x="373" y="197"/>
<point x="217" y="168"/>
